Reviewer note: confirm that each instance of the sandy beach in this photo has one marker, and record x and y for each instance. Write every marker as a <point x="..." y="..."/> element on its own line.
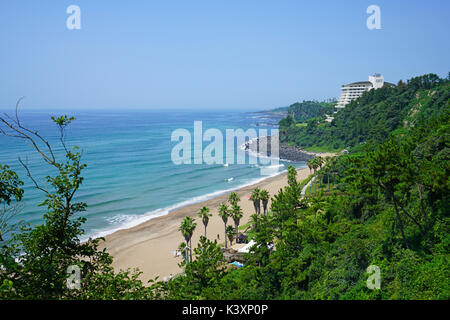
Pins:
<point x="150" y="246"/>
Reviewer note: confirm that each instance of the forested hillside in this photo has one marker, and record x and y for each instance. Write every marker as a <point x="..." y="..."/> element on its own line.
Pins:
<point x="303" y="111"/>
<point x="374" y="116"/>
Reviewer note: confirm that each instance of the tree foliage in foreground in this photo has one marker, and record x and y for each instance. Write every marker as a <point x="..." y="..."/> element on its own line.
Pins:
<point x="35" y="261"/>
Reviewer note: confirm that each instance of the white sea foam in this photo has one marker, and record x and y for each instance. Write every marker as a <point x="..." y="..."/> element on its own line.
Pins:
<point x="121" y="221"/>
<point x="259" y="155"/>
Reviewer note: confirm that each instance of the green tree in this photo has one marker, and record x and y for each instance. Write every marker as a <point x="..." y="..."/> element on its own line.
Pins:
<point x="309" y="163"/>
<point x="391" y="167"/>
<point x="201" y="275"/>
<point x="255" y="198"/>
<point x="236" y="215"/>
<point x="36" y="259"/>
<point x="10" y="190"/>
<point x="254" y="218"/>
<point x="264" y="195"/>
<point x="231" y="233"/>
<point x="187" y="228"/>
<point x="234" y="199"/>
<point x="287" y="122"/>
<point x="183" y="248"/>
<point x="224" y="214"/>
<point x="10" y="185"/>
<point x="317" y="204"/>
<point x="204" y="215"/>
<point x="316" y="162"/>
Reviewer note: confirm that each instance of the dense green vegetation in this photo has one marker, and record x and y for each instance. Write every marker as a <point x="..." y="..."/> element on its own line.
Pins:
<point x="385" y="204"/>
<point x="374" y="116"/>
<point x="303" y="111"/>
<point x="387" y="207"/>
<point x="38" y="262"/>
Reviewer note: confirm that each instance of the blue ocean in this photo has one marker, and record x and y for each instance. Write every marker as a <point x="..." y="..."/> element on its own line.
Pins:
<point x="130" y="176"/>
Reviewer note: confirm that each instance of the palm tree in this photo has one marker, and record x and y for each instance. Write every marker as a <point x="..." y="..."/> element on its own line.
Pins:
<point x="230" y="234"/>
<point x="320" y="161"/>
<point x="255" y="197"/>
<point x="332" y="163"/>
<point x="234" y="198"/>
<point x="312" y="165"/>
<point x="315" y="165"/>
<point x="187" y="228"/>
<point x="224" y="214"/>
<point x="264" y="196"/>
<point x="236" y="214"/>
<point x="204" y="215"/>
<point x="184" y="229"/>
<point x="309" y="163"/>
<point x="254" y="220"/>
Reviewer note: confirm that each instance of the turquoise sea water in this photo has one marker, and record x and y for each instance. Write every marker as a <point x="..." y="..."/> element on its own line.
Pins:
<point x="130" y="176"/>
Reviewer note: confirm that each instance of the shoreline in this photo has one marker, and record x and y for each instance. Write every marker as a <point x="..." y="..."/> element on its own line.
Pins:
<point x="150" y="245"/>
<point x="286" y="152"/>
<point x="294" y="154"/>
<point x="160" y="212"/>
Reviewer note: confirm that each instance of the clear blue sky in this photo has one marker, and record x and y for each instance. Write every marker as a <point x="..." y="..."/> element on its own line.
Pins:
<point x="233" y="54"/>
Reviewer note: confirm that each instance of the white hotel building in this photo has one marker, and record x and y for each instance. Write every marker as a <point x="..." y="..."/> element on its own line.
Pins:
<point x="354" y="90"/>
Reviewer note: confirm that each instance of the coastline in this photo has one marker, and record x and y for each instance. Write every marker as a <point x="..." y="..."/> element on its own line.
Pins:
<point x="294" y="154"/>
<point x="286" y="152"/>
<point x="150" y="245"/>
